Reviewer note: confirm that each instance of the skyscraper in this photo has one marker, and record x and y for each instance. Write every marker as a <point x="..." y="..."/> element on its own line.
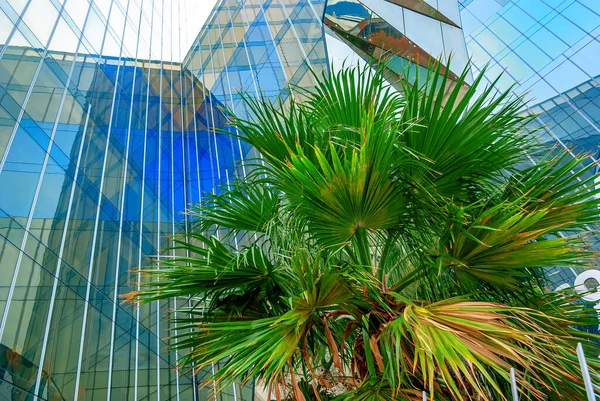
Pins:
<point x="108" y="111"/>
<point x="549" y="50"/>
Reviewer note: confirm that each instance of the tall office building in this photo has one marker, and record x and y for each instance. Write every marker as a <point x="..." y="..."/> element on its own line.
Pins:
<point x="92" y="135"/>
<point x="549" y="49"/>
<point x="108" y="111"/>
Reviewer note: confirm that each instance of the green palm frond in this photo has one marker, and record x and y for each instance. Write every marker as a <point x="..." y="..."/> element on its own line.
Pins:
<point x="498" y="244"/>
<point x="213" y="274"/>
<point x="341" y="196"/>
<point x="472" y="141"/>
<point x="275" y="131"/>
<point x="248" y="206"/>
<point x="339" y="103"/>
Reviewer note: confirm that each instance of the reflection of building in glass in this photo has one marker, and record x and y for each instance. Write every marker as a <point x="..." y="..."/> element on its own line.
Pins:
<point x="368" y="28"/>
<point x="376" y="39"/>
<point x="549" y="48"/>
<point x="108" y="111"/>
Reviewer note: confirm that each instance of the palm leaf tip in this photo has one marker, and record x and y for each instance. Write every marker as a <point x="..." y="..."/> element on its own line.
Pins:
<point x="132" y="297"/>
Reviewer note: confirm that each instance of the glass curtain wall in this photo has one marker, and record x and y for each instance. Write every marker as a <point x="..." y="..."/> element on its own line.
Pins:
<point x="548" y="48"/>
<point x="103" y="142"/>
<point x="259" y="46"/>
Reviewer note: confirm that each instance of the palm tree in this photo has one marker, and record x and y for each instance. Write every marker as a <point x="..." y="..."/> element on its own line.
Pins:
<point x="387" y="244"/>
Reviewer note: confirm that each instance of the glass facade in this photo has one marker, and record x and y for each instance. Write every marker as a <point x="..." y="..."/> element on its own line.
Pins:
<point x="101" y="148"/>
<point x="549" y="50"/>
<point x="259" y="46"/>
<point x="573" y="117"/>
<point x="406" y="35"/>
<point x="109" y="118"/>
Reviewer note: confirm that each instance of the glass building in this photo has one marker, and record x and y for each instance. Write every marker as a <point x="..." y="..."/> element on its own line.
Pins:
<point x="549" y="50"/>
<point x="406" y="35"/>
<point x="108" y="112"/>
<point x="104" y="138"/>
